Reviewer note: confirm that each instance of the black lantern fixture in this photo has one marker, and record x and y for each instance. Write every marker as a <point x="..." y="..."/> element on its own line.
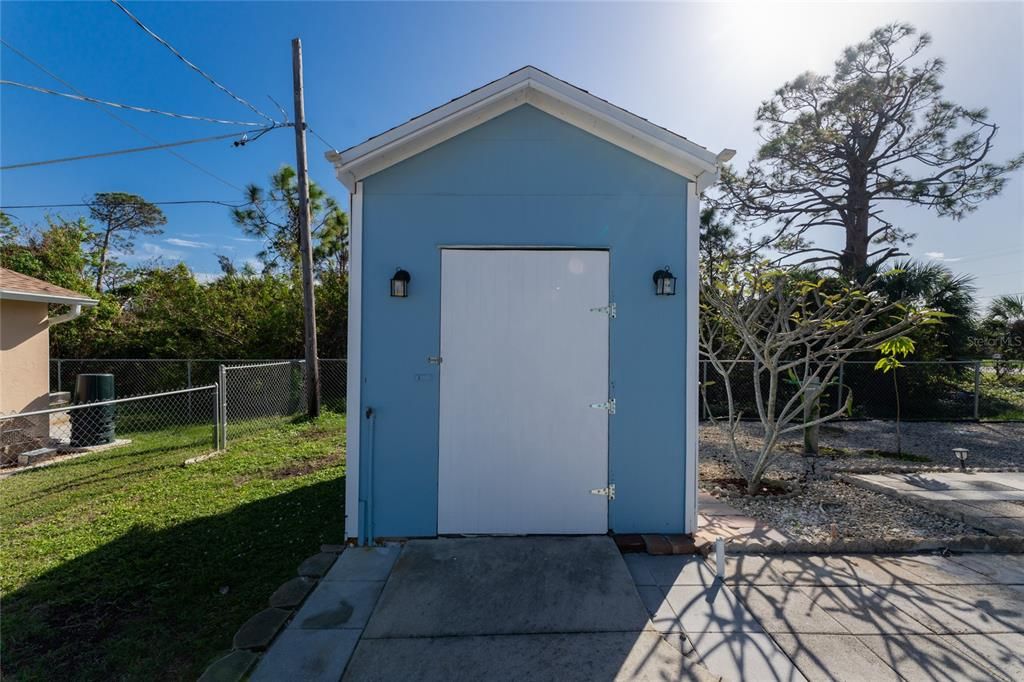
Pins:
<point x="400" y="283"/>
<point x="664" y="282"/>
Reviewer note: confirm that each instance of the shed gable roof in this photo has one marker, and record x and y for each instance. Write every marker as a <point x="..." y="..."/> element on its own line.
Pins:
<point x="15" y="286"/>
<point x="554" y="96"/>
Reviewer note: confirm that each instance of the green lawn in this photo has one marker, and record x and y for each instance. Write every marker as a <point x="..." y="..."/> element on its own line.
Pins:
<point x="125" y="565"/>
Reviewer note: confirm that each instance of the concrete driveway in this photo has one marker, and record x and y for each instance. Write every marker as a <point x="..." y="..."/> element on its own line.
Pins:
<point x="537" y="608"/>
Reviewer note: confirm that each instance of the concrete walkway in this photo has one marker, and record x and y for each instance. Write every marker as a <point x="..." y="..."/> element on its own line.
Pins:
<point x="536" y="608"/>
<point x="856" y="617"/>
<point x="991" y="501"/>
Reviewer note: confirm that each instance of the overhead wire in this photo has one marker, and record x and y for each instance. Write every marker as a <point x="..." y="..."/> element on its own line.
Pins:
<point x="130" y="107"/>
<point x="188" y="63"/>
<point x="177" y="202"/>
<point x="97" y="155"/>
<point x="121" y="120"/>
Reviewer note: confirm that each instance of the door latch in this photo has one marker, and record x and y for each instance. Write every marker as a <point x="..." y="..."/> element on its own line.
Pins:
<point x="608" y="492"/>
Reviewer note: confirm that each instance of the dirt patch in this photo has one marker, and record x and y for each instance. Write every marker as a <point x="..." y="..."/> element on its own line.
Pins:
<point x="738" y="486"/>
<point x="300" y="468"/>
<point x="306" y="466"/>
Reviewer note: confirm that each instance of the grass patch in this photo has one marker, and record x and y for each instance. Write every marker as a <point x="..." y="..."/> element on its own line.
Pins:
<point x="124" y="565"/>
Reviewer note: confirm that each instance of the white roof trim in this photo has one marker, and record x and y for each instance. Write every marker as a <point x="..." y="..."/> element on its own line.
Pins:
<point x="537" y="88"/>
<point x="11" y="295"/>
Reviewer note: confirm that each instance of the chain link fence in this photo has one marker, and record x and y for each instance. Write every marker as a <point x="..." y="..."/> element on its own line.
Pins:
<point x="182" y="419"/>
<point x="260" y="396"/>
<point x="238" y="399"/>
<point x="144" y="376"/>
<point x="927" y="391"/>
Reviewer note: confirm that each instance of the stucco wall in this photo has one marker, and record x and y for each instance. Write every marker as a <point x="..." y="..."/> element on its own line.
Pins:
<point x="524" y="178"/>
<point x="24" y="358"/>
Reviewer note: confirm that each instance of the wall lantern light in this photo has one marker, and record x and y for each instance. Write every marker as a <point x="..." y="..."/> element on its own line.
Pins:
<point x="961" y="456"/>
<point x="400" y="283"/>
<point x="664" y="283"/>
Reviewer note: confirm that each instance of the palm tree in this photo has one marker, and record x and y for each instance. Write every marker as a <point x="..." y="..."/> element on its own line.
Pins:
<point x="1005" y="327"/>
<point x="935" y="287"/>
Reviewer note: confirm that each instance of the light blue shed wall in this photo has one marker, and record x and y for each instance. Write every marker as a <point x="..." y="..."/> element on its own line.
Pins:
<point x="524" y="178"/>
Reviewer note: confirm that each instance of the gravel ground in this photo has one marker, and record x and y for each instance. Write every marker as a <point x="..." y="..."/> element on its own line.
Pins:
<point x="827" y="510"/>
<point x="990" y="444"/>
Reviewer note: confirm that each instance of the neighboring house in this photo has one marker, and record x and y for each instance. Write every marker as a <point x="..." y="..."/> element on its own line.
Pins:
<point x="25" y="323"/>
<point x="518" y="360"/>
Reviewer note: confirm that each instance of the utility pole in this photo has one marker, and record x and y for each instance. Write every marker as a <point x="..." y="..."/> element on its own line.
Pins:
<point x="305" y="238"/>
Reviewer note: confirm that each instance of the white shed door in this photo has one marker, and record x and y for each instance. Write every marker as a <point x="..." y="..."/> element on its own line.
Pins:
<point x="524" y="357"/>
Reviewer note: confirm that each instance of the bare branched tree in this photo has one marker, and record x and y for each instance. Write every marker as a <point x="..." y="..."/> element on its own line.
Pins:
<point x="794" y="331"/>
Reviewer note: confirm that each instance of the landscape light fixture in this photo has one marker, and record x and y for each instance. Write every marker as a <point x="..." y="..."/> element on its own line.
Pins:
<point x="664" y="282"/>
<point x="400" y="283"/>
<point x="961" y="456"/>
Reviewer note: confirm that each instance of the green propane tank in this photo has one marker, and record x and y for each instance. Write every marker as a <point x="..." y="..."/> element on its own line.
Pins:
<point x="92" y="425"/>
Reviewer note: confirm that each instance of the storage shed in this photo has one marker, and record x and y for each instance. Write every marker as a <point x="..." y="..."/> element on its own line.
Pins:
<point x="522" y="352"/>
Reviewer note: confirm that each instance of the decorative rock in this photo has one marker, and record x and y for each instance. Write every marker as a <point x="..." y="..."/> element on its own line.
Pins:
<point x="657" y="544"/>
<point x="316" y="565"/>
<point x="230" y="668"/>
<point x="257" y="632"/>
<point x="292" y="592"/>
<point x="333" y="549"/>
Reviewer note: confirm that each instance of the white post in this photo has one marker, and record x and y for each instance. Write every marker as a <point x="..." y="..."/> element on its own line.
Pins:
<point x="720" y="558"/>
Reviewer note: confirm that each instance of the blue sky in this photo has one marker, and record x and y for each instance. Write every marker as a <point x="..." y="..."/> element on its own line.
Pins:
<point x="697" y="68"/>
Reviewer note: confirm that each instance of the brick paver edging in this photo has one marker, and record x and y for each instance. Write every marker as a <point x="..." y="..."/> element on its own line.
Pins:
<point x="256" y="634"/>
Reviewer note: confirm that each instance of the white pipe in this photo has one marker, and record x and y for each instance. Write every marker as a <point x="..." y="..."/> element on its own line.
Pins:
<point x="75" y="311"/>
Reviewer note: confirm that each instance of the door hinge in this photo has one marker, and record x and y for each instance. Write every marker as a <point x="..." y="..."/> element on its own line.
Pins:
<point x="434" y="359"/>
<point x="608" y="492"/>
<point x="608" y="310"/>
<point x="610" y="406"/>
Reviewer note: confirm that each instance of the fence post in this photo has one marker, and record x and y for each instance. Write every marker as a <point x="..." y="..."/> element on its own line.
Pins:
<point x="188" y="381"/>
<point x="222" y="406"/>
<point x="60" y="378"/>
<point x="977" y="389"/>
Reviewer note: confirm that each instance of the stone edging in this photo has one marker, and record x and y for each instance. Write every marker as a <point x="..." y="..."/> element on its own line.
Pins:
<point x="918" y="469"/>
<point x="960" y="543"/>
<point x="256" y="634"/>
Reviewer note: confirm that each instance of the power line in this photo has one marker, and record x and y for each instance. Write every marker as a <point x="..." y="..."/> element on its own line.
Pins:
<point x="133" y="150"/>
<point x="121" y="120"/>
<point x="312" y="132"/>
<point x="190" y="64"/>
<point x="145" y="110"/>
<point x="179" y="202"/>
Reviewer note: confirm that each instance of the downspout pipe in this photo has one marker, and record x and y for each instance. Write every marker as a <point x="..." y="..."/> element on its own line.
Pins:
<point x="366" y="495"/>
<point x="75" y="311"/>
